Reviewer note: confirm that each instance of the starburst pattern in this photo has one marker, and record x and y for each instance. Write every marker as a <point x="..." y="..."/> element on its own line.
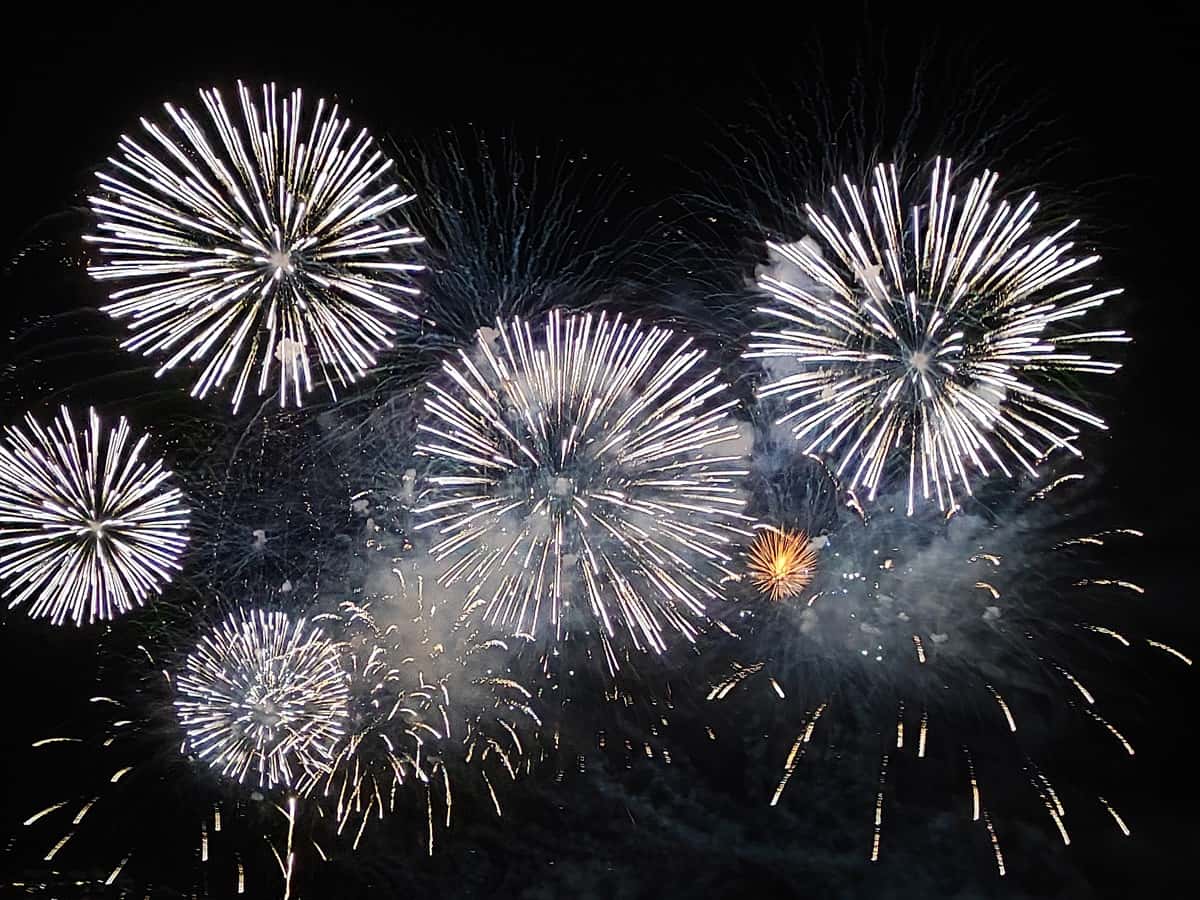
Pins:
<point x="263" y="696"/>
<point x="588" y="478"/>
<point x="88" y="528"/>
<point x="781" y="563"/>
<point x="255" y="246"/>
<point x="930" y="338"/>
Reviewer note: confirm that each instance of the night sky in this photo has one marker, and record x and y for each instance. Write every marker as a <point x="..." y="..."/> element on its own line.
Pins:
<point x="652" y="96"/>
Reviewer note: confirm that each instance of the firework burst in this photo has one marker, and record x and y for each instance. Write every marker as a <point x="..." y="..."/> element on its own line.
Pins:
<point x="87" y="527"/>
<point x="586" y="477"/>
<point x="430" y="705"/>
<point x="263" y="696"/>
<point x="781" y="563"/>
<point x="926" y="335"/>
<point x="255" y="246"/>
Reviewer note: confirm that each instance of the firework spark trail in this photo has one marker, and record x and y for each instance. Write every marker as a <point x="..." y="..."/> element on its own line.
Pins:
<point x="265" y="696"/>
<point x="927" y="343"/>
<point x="588" y="460"/>
<point x="87" y="527"/>
<point x="254" y="245"/>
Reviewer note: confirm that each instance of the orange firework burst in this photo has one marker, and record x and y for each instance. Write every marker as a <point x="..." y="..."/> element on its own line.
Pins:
<point x="782" y="562"/>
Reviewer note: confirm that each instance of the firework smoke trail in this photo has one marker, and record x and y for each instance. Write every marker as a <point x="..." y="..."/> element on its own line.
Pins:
<point x="936" y="622"/>
<point x="87" y="527"/>
<point x="263" y="696"/>
<point x="929" y="338"/>
<point x="255" y="246"/>
<point x="585" y="478"/>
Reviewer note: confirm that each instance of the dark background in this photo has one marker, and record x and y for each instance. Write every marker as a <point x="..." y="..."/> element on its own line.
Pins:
<point x="648" y="92"/>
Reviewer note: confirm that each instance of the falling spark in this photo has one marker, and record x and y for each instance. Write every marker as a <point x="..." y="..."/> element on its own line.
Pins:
<point x="1012" y="725"/>
<point x="974" y="788"/>
<point x="1161" y="646"/>
<point x="1116" y="817"/>
<point x="930" y="341"/>
<point x="879" y="809"/>
<point x="259" y="246"/>
<point x="88" y="528"/>
<point x="987" y="821"/>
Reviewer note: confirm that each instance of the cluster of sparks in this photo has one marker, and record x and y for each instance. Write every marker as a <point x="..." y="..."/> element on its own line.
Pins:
<point x="922" y="341"/>
<point x="255" y="246"/>
<point x="591" y="465"/>
<point x="88" y="528"/>
<point x="780" y="563"/>
<point x="263" y="697"/>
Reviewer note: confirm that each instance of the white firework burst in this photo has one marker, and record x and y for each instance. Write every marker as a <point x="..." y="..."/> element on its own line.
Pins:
<point x="586" y="477"/>
<point x="928" y="339"/>
<point x="255" y="246"/>
<point x="88" y="528"/>
<point x="263" y="696"/>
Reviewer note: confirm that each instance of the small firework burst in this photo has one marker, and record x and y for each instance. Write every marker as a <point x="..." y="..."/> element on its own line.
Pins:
<point x="87" y="527"/>
<point x="263" y="696"/>
<point x="928" y="340"/>
<point x="255" y="246"/>
<point x="781" y="562"/>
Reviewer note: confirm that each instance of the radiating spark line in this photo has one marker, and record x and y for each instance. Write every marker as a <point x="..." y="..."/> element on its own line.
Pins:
<point x="987" y="821"/>
<point x="44" y="812"/>
<point x="879" y="810"/>
<point x="975" y="797"/>
<point x="1012" y="725"/>
<point x="1111" y="582"/>
<point x="1169" y="649"/>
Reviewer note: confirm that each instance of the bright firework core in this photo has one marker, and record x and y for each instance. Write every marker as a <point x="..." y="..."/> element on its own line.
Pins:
<point x="920" y="336"/>
<point x="583" y="477"/>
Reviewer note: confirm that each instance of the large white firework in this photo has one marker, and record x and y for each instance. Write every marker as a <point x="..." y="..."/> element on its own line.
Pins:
<point x="255" y="246"/>
<point x="88" y="528"/>
<point x="587" y="476"/>
<point x="925" y="335"/>
<point x="263" y="697"/>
